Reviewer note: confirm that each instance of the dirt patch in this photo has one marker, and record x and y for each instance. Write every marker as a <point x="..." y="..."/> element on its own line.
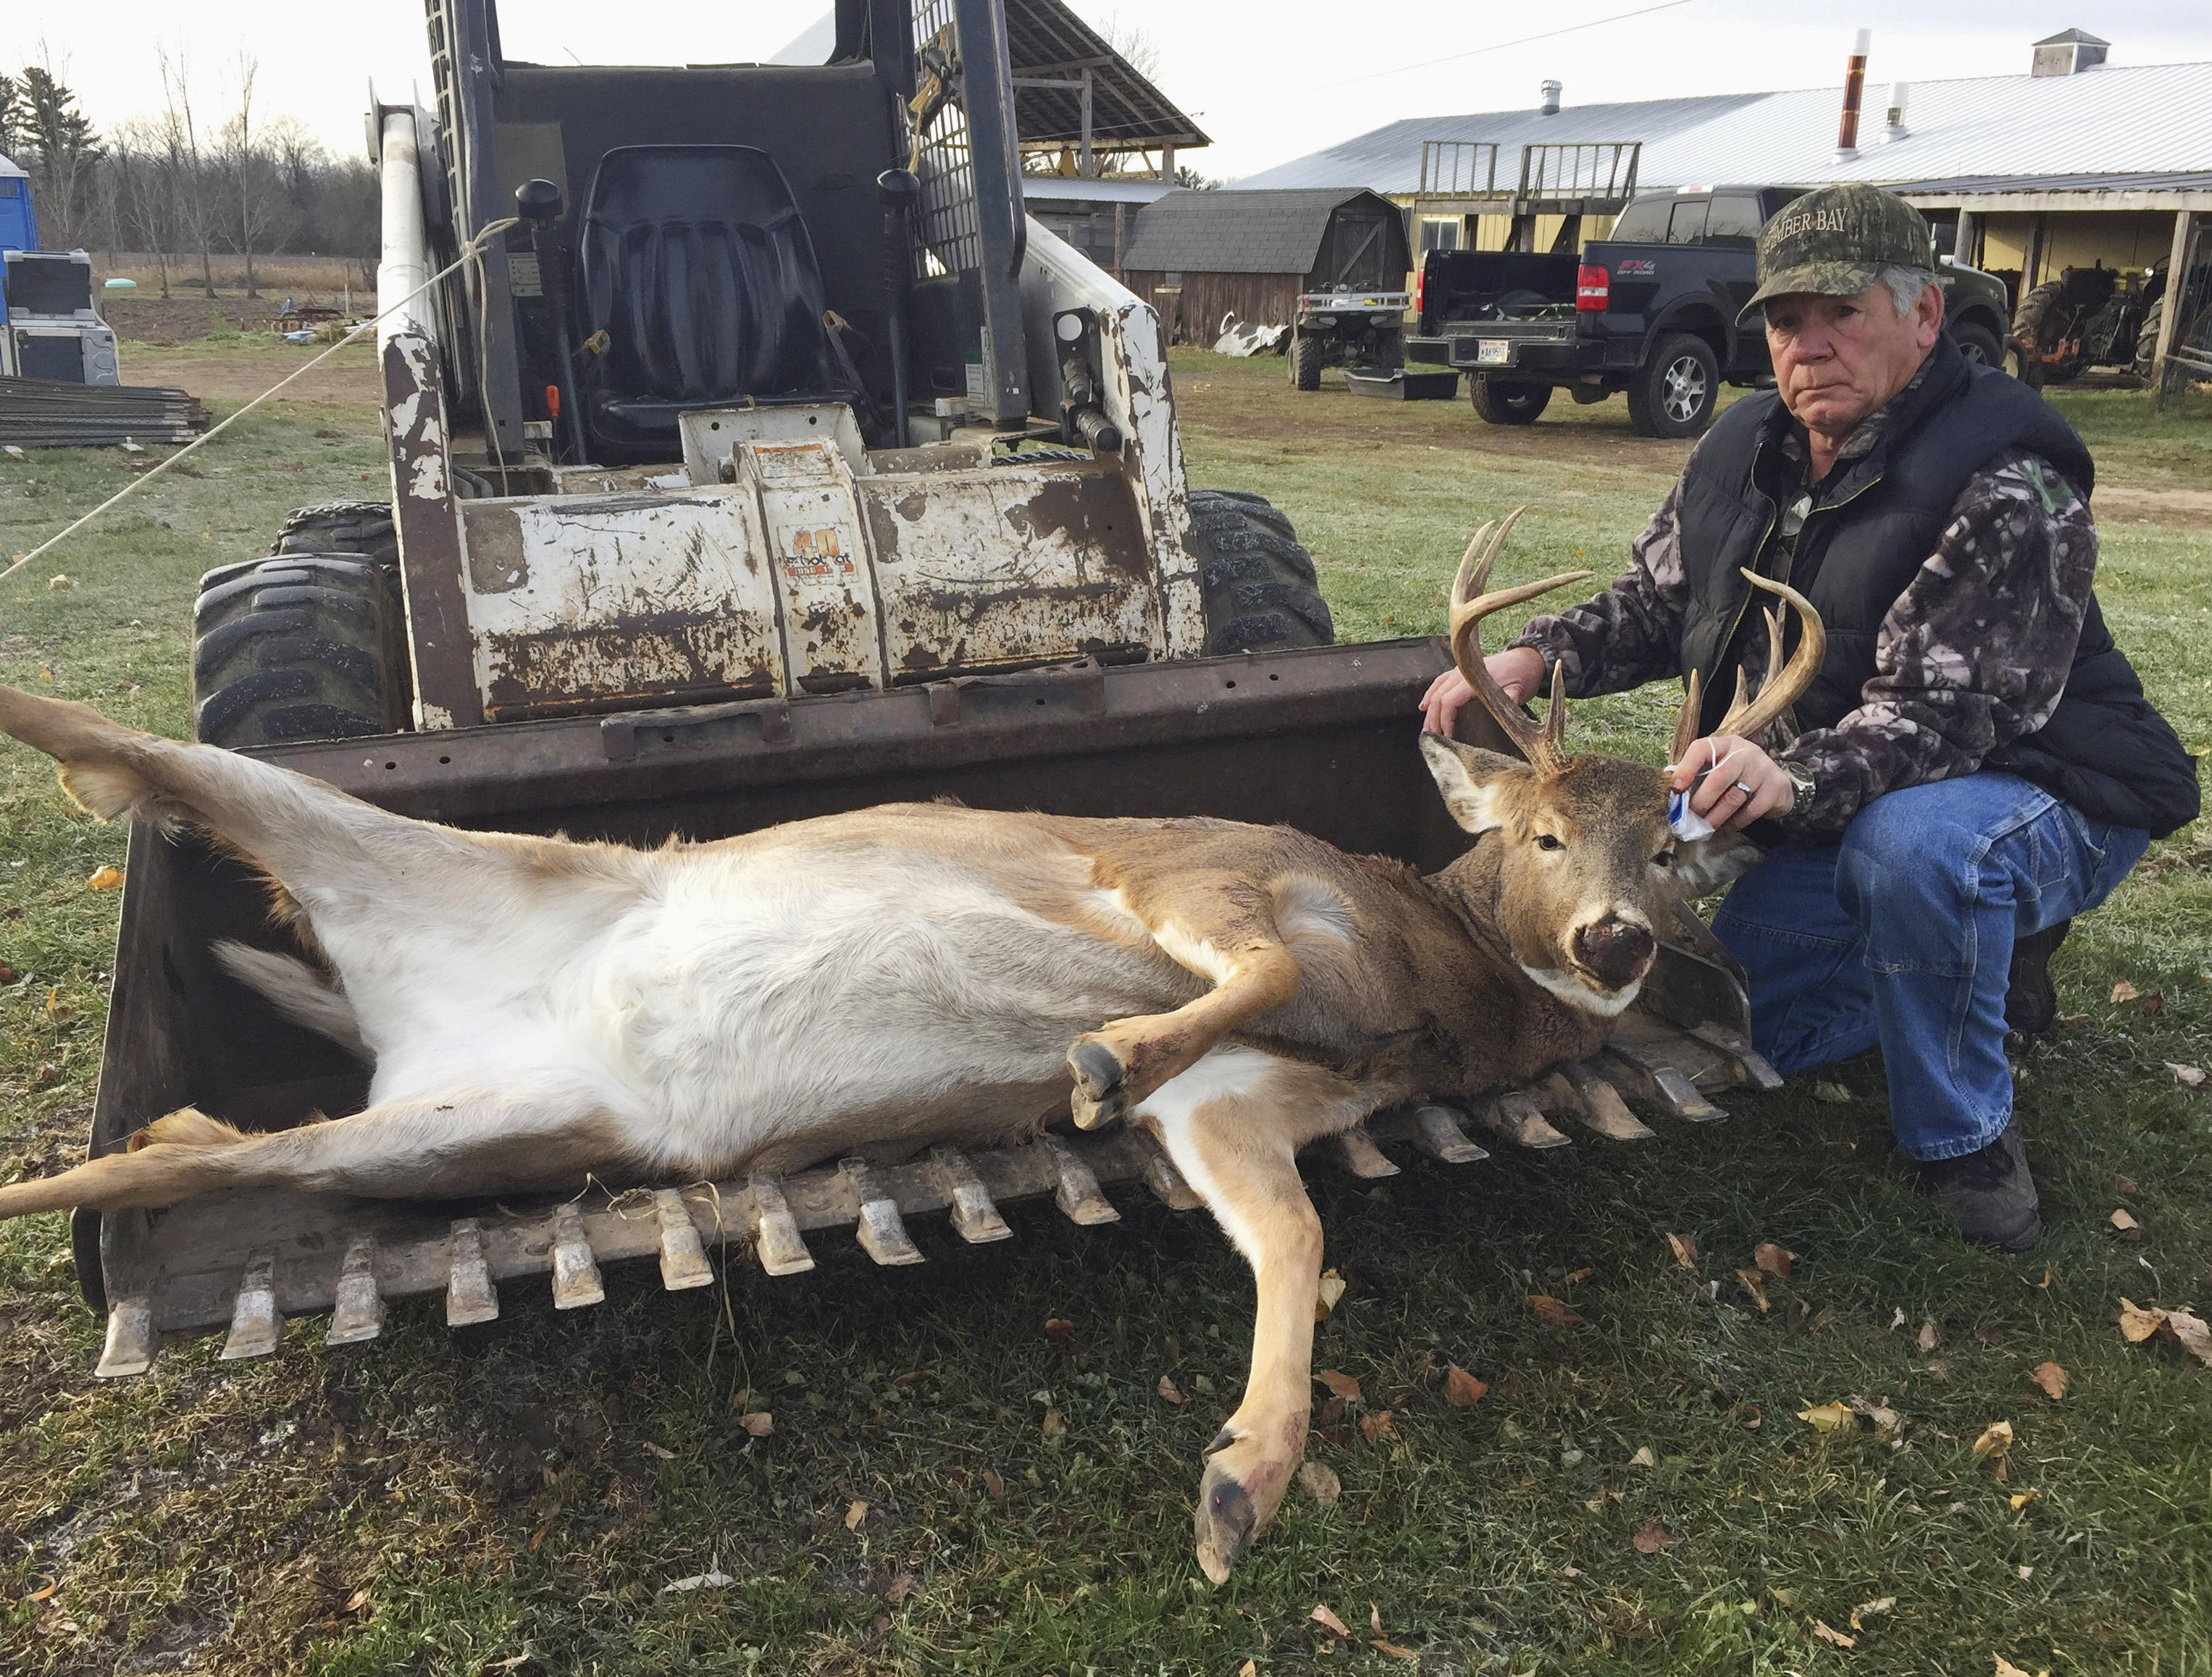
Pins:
<point x="171" y="320"/>
<point x="348" y="379"/>
<point x="2123" y="503"/>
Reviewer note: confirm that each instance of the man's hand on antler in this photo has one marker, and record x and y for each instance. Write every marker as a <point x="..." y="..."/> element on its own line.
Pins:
<point x="1519" y="671"/>
<point x="1744" y="786"/>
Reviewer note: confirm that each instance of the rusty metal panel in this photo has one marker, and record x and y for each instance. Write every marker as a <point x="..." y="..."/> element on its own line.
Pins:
<point x="819" y="563"/>
<point x="445" y="694"/>
<point x="592" y="602"/>
<point x="1010" y="563"/>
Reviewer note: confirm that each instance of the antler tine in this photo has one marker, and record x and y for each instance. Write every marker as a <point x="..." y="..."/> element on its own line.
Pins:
<point x="1749" y="717"/>
<point x="1538" y="743"/>
<point x="1687" y="730"/>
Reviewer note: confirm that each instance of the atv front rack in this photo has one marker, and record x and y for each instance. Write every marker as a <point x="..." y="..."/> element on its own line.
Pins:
<point x="195" y="1270"/>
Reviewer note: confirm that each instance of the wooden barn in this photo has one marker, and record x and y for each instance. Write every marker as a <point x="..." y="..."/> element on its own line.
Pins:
<point x="1201" y="257"/>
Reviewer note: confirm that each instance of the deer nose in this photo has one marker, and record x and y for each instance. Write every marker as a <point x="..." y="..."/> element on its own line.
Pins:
<point x="1614" y="950"/>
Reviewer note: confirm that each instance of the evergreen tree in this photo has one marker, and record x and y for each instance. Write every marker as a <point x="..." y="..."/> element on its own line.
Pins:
<point x="12" y="115"/>
<point x="67" y="151"/>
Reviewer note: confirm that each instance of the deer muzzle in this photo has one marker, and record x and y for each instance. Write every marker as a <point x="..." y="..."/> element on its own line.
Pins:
<point x="1614" y="951"/>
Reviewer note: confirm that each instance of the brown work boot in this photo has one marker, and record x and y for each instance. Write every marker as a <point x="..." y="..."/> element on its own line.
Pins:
<point x="2032" y="1000"/>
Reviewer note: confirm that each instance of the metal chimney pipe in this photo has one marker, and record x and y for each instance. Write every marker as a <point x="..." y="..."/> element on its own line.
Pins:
<point x="1550" y="107"/>
<point x="1847" y="132"/>
<point x="1899" y="92"/>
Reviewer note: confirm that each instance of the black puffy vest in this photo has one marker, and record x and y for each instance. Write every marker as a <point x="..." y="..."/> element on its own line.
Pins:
<point x="2105" y="750"/>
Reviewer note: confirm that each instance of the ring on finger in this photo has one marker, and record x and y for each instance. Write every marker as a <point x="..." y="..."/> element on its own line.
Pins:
<point x="1745" y="790"/>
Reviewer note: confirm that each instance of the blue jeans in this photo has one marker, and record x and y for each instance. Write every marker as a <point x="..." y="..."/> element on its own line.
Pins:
<point x="1902" y="935"/>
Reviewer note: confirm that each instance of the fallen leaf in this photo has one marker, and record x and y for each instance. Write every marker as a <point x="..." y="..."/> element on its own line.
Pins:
<point x="2190" y="1077"/>
<point x="1822" y="1630"/>
<point x="1835" y="1094"/>
<point x="759" y="1423"/>
<point x="910" y="1378"/>
<point x="1995" y="1442"/>
<point x="994" y="1486"/>
<point x="1391" y="1649"/>
<point x="1339" y="1383"/>
<point x="1644" y="1457"/>
<point x="654" y="1450"/>
<point x="1058" y="1327"/>
<point x="1885" y="1418"/>
<point x="2154" y="1003"/>
<point x="7" y="974"/>
<point x="1249" y="1668"/>
<point x="1868" y="1609"/>
<point x="856" y="1513"/>
<point x="715" y="1580"/>
<point x="2138" y="1324"/>
<point x="1685" y="1249"/>
<point x="537" y="1537"/>
<point x="356" y="1601"/>
<point x="2052" y="1378"/>
<point x="61" y="582"/>
<point x="1992" y="1337"/>
<point x="1795" y="1314"/>
<point x="903" y="1588"/>
<point x="52" y="1584"/>
<point x="1167" y="1390"/>
<point x="1928" y="1340"/>
<point x="2123" y="1184"/>
<point x="1464" y="1390"/>
<point x="1896" y="1320"/>
<point x="2122" y="991"/>
<point x="1332" y="1290"/>
<point x="1552" y="1310"/>
<point x="1320" y="1479"/>
<point x="1056" y="1424"/>
<point x="2026" y="1573"/>
<point x="59" y="1011"/>
<point x="2123" y="1221"/>
<point x="1755" y="1286"/>
<point x="2006" y="1669"/>
<point x="1773" y="1259"/>
<point x="2071" y="1019"/>
<point x="1652" y="1537"/>
<point x="1375" y="1619"/>
<point x="2045" y="1284"/>
<point x="106" y="878"/>
<point x="2024" y="1499"/>
<point x="1826" y="1417"/>
<point x="1575" y="1275"/>
<point x="1377" y="1425"/>
<point x="2194" y="1333"/>
<point x="1329" y="1621"/>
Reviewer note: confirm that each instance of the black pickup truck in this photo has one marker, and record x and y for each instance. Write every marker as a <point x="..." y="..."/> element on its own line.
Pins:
<point x="1649" y="311"/>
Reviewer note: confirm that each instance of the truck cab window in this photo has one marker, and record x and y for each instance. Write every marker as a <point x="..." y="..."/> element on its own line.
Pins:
<point x="1735" y="222"/>
<point x="1686" y="226"/>
<point x="1644" y="222"/>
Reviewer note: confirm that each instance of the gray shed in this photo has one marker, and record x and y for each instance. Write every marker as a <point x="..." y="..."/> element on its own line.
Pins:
<point x="1200" y="256"/>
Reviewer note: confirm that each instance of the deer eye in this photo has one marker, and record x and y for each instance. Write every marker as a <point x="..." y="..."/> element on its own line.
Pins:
<point x="1664" y="859"/>
<point x="1545" y="841"/>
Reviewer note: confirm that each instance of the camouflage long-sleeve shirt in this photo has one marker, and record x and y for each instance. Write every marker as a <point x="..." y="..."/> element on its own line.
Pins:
<point x="1973" y="655"/>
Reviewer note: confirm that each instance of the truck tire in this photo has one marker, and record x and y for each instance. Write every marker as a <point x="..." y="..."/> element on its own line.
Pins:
<point x="304" y="647"/>
<point x="361" y="528"/>
<point x="1257" y="581"/>
<point x="1978" y="344"/>
<point x="1506" y="400"/>
<point x="1676" y="392"/>
<point x="2146" y="338"/>
<point x="1305" y="361"/>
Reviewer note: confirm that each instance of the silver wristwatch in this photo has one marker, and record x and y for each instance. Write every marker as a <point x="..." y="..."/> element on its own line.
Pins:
<point x="1802" y="778"/>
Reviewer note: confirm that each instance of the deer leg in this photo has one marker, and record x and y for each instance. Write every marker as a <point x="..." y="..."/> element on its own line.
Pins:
<point x="469" y="1143"/>
<point x="1253" y="970"/>
<point x="1233" y="1125"/>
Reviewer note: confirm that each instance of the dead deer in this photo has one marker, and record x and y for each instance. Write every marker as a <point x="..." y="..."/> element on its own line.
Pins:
<point x="877" y="982"/>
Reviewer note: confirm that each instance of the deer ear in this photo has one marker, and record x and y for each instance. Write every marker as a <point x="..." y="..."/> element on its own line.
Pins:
<point x="1471" y="779"/>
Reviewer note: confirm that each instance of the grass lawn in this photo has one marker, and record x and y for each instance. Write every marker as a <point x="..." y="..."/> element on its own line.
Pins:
<point x="947" y="1489"/>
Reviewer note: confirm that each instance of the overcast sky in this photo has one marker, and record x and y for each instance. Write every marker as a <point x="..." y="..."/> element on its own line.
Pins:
<point x="1265" y="90"/>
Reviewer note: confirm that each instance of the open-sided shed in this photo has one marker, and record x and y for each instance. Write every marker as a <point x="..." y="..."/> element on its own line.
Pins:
<point x="1200" y="256"/>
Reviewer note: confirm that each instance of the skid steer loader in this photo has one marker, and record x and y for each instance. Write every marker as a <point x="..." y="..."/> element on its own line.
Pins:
<point x="772" y="464"/>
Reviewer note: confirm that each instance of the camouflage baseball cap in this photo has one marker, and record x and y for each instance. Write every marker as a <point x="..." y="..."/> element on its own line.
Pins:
<point x="1834" y="243"/>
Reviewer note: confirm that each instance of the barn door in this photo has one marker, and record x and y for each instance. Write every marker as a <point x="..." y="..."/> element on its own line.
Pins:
<point x="1359" y="244"/>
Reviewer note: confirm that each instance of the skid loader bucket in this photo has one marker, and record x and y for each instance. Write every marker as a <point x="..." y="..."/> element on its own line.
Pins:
<point x="1324" y="740"/>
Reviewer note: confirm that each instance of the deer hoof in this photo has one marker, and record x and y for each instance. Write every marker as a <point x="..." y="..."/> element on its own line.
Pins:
<point x="1101" y="1093"/>
<point x="1225" y="1523"/>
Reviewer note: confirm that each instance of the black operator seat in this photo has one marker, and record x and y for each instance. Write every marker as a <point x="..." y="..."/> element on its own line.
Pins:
<point x="699" y="268"/>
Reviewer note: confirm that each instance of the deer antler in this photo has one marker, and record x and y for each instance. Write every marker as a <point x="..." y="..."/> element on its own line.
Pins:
<point x="1783" y="685"/>
<point x="1541" y="743"/>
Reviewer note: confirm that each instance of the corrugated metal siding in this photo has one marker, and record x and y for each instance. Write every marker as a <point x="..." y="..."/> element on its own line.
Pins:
<point x="2148" y="120"/>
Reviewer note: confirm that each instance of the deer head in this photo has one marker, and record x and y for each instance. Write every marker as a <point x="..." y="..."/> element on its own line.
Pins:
<point x="1574" y="863"/>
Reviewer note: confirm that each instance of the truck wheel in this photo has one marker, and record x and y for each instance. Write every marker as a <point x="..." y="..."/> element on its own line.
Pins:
<point x="2146" y="338"/>
<point x="305" y="646"/>
<point x="1676" y="392"/>
<point x="1256" y="581"/>
<point x="1507" y="401"/>
<point x="1305" y="362"/>
<point x="1978" y="344"/>
<point x="362" y="528"/>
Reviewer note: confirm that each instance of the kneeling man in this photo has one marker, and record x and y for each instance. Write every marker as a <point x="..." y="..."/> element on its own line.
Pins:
<point x="1975" y="762"/>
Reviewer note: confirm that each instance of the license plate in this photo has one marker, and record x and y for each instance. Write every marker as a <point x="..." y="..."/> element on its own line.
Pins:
<point x="1493" y="351"/>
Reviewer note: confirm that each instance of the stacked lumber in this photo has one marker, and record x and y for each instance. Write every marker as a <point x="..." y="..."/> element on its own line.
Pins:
<point x="39" y="413"/>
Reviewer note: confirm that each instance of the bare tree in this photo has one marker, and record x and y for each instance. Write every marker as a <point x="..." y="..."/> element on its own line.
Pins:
<point x="1134" y="43"/>
<point x="249" y="182"/>
<point x="143" y="185"/>
<point x="181" y="140"/>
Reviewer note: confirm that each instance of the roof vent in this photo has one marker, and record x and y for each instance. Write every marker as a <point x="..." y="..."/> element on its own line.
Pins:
<point x="2069" y="52"/>
<point x="1847" y="130"/>
<point x="1550" y="105"/>
<point x="1894" y="128"/>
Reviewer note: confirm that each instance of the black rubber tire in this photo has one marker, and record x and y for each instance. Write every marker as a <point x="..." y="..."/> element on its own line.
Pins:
<point x="1677" y="392"/>
<point x="362" y="528"/>
<point x="1506" y="400"/>
<point x="2146" y="338"/>
<point x="305" y="646"/>
<point x="1305" y="361"/>
<point x="1256" y="581"/>
<point x="1978" y="344"/>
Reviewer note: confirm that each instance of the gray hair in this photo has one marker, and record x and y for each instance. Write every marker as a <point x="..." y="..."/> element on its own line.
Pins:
<point x="1906" y="285"/>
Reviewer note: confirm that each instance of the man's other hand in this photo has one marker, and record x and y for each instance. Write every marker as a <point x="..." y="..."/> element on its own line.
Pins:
<point x="1744" y="786"/>
<point x="1518" y="672"/>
